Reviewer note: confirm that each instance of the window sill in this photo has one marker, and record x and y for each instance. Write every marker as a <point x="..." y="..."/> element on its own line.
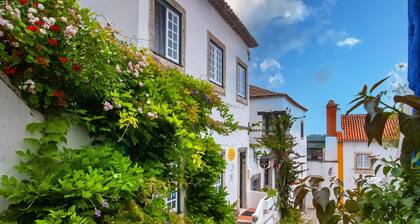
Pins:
<point x="242" y="100"/>
<point x="218" y="89"/>
<point x="168" y="62"/>
<point x="363" y="171"/>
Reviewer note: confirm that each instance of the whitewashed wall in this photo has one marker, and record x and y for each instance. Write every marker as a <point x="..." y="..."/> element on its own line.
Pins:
<point x="131" y="18"/>
<point x="320" y="169"/>
<point x="14" y="116"/>
<point x="351" y="148"/>
<point x="276" y="104"/>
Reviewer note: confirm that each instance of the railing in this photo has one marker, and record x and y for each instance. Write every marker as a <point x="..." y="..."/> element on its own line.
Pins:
<point x="265" y="208"/>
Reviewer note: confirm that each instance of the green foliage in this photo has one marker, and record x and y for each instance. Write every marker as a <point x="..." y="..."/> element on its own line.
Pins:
<point x="395" y="201"/>
<point x="294" y="217"/>
<point x="206" y="203"/>
<point x="281" y="142"/>
<point x="139" y="113"/>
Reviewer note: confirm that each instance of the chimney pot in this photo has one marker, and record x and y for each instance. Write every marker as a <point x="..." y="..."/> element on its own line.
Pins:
<point x="332" y="119"/>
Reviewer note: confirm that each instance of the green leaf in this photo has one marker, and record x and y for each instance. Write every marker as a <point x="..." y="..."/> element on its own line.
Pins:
<point x="364" y="90"/>
<point x="334" y="219"/>
<point x="377" y="168"/>
<point x="32" y="142"/>
<point x="375" y="129"/>
<point x="355" y="107"/>
<point x="322" y="197"/>
<point x="386" y="170"/>
<point x="412" y="101"/>
<point x="378" y="84"/>
<point x="300" y="193"/>
<point x="410" y="127"/>
<point x="351" y="206"/>
<point x="35" y="127"/>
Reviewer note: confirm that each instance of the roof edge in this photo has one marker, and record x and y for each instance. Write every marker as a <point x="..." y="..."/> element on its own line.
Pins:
<point x="276" y="94"/>
<point x="227" y="13"/>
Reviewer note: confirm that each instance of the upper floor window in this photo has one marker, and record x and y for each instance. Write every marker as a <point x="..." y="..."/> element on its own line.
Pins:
<point x="363" y="161"/>
<point x="167" y="41"/>
<point x="216" y="64"/>
<point x="242" y="81"/>
<point x="315" y="154"/>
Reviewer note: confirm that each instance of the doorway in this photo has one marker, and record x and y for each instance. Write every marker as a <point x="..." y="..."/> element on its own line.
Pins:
<point x="242" y="179"/>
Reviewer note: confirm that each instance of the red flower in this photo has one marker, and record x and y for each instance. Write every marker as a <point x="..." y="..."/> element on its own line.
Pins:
<point x="23" y="2"/>
<point x="32" y="28"/>
<point x="63" y="60"/>
<point x="10" y="70"/>
<point x="55" y="28"/>
<point x="39" y="23"/>
<point x="76" y="67"/>
<point x="42" y="61"/>
<point x="58" y="93"/>
<point x="53" y="42"/>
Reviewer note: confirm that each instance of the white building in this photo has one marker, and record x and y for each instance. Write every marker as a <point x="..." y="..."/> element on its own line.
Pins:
<point x="346" y="154"/>
<point x="203" y="38"/>
<point x="263" y="105"/>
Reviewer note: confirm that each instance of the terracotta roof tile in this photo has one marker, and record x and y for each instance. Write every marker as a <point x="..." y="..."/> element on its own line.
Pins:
<point x="354" y="131"/>
<point x="258" y="92"/>
<point x="233" y="20"/>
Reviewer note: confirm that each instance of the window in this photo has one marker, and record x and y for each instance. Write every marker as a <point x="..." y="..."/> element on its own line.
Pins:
<point x="315" y="154"/>
<point x="256" y="182"/>
<point x="302" y="130"/>
<point x="167" y="31"/>
<point x="242" y="81"/>
<point x="363" y="162"/>
<point x="172" y="201"/>
<point x="216" y="64"/>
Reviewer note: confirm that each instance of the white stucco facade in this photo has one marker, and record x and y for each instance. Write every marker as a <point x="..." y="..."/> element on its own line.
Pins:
<point x="275" y="104"/>
<point x="132" y="19"/>
<point x="15" y="115"/>
<point x="350" y="149"/>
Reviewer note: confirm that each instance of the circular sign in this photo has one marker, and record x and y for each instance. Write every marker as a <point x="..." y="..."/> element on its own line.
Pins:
<point x="231" y="154"/>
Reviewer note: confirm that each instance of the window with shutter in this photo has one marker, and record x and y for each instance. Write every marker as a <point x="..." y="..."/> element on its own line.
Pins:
<point x="167" y="31"/>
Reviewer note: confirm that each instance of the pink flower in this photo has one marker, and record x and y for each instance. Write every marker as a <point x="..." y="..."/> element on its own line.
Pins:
<point x="130" y="66"/>
<point x="141" y="84"/>
<point x="140" y="110"/>
<point x="108" y="106"/>
<point x="1" y="34"/>
<point x="32" y="10"/>
<point x="70" y="31"/>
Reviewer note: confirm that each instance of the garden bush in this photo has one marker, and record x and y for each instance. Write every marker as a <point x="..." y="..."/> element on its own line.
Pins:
<point x="152" y="124"/>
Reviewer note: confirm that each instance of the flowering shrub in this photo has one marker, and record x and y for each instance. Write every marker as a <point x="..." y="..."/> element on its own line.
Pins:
<point x="64" y="62"/>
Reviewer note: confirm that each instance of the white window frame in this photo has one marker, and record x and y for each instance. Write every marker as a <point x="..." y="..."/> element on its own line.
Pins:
<point x="243" y="82"/>
<point x="364" y="163"/>
<point x="216" y="61"/>
<point x="171" y="199"/>
<point x="176" y="32"/>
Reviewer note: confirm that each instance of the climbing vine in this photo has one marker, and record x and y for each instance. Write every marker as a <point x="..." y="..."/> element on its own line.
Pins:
<point x="278" y="139"/>
<point x="152" y="123"/>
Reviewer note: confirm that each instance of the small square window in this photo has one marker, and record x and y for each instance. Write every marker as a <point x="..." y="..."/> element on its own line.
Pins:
<point x="363" y="162"/>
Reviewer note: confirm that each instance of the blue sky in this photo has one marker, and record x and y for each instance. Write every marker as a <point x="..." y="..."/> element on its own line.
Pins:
<point x="324" y="49"/>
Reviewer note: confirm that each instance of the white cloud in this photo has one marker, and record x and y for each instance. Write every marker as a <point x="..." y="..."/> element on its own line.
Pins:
<point x="275" y="80"/>
<point x="349" y="42"/>
<point x="269" y="63"/>
<point x="256" y="13"/>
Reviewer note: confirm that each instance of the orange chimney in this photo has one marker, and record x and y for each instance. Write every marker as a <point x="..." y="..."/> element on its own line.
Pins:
<point x="331" y="119"/>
